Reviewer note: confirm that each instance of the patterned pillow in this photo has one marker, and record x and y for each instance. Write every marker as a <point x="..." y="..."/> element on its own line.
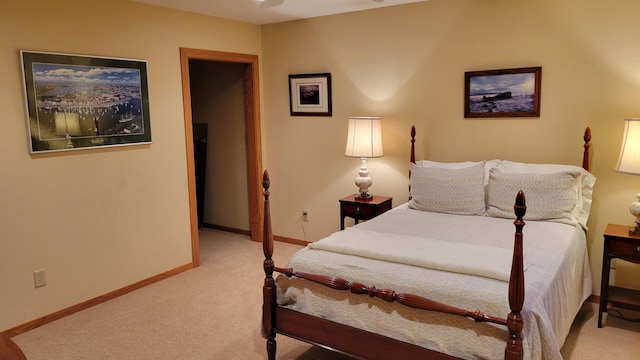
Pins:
<point x="552" y="197"/>
<point x="585" y="188"/>
<point x="450" y="191"/>
<point x="488" y="165"/>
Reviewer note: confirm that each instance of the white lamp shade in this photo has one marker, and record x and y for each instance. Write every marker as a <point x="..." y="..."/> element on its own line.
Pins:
<point x="629" y="160"/>
<point x="364" y="138"/>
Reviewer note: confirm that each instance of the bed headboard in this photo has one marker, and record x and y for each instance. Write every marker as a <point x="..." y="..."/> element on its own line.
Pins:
<point x="585" y="156"/>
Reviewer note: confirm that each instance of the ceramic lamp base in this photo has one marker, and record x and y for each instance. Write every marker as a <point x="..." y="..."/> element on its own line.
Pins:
<point x="634" y="209"/>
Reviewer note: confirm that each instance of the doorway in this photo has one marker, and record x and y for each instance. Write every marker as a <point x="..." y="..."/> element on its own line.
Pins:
<point x="253" y="139"/>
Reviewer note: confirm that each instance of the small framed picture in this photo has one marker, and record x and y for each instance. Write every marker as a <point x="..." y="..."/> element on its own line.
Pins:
<point x="310" y="94"/>
<point x="502" y="93"/>
<point x="79" y="102"/>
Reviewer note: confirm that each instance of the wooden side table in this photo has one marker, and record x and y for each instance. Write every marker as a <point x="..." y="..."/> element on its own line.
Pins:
<point x="618" y="244"/>
<point x="358" y="209"/>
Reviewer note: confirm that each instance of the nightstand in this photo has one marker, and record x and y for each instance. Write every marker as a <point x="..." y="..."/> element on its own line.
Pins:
<point x="362" y="209"/>
<point x="618" y="244"/>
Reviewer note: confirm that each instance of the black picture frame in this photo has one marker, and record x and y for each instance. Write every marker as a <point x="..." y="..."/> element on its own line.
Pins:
<point x="310" y="94"/>
<point x="78" y="102"/>
<point x="502" y="93"/>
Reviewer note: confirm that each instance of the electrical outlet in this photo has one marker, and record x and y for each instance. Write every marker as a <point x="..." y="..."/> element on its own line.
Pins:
<point x="39" y="278"/>
<point x="305" y="215"/>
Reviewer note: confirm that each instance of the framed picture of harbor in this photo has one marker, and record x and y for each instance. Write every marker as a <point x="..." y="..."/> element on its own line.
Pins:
<point x="78" y="102"/>
<point x="310" y="94"/>
<point x="502" y="93"/>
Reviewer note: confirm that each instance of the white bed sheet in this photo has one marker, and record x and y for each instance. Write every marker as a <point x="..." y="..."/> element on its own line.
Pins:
<point x="557" y="281"/>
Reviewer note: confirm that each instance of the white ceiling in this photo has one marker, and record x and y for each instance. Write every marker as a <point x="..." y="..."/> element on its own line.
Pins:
<point x="250" y="11"/>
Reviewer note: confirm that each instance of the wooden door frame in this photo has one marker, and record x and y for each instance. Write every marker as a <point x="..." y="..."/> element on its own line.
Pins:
<point x="253" y="138"/>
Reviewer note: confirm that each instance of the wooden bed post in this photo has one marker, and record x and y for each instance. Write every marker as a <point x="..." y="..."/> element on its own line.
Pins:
<point x="269" y="288"/>
<point x="413" y="146"/>
<point x="514" y="351"/>
<point x="412" y="157"/>
<point x="587" y="145"/>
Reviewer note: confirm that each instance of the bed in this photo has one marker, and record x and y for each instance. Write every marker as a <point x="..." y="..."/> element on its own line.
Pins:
<point x="405" y="285"/>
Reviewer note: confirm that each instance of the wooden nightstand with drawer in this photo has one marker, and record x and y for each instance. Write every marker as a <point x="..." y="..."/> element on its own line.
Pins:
<point x="363" y="209"/>
<point x="618" y="244"/>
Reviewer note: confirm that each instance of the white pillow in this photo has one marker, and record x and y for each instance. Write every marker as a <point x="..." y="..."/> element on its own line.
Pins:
<point x="518" y="167"/>
<point x="488" y="165"/>
<point x="447" y="165"/>
<point x="585" y="183"/>
<point x="448" y="190"/>
<point x="549" y="196"/>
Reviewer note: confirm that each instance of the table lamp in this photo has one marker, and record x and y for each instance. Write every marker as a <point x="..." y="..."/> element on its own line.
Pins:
<point x="364" y="140"/>
<point x="629" y="162"/>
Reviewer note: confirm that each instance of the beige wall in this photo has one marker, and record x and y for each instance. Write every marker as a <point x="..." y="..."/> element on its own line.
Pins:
<point x="97" y="220"/>
<point x="218" y="100"/>
<point x="407" y="64"/>
<point x="100" y="220"/>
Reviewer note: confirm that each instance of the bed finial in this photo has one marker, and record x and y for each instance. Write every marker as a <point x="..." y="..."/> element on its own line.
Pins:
<point x="587" y="145"/>
<point x="413" y="140"/>
<point x="520" y="207"/>
<point x="266" y="182"/>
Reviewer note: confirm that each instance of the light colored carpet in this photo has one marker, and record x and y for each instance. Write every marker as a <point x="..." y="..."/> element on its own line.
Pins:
<point x="213" y="312"/>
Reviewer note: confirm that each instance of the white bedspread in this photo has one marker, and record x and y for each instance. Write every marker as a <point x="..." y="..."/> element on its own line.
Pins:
<point x="557" y="282"/>
<point x="486" y="261"/>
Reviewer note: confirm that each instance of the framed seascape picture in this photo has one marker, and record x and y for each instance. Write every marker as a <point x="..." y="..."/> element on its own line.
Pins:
<point x="79" y="102"/>
<point x="310" y="94"/>
<point x="502" y="93"/>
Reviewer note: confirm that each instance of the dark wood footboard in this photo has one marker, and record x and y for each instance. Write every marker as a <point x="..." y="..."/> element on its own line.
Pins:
<point x="324" y="332"/>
